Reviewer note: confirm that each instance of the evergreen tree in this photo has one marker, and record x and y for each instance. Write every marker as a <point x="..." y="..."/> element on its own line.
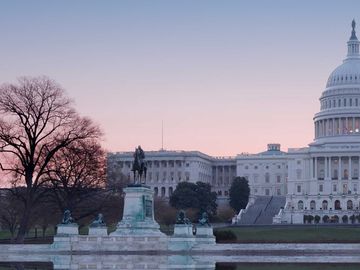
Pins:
<point x="198" y="196"/>
<point x="239" y="193"/>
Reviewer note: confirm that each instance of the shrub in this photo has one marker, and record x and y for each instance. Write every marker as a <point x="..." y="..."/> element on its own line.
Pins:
<point x="358" y="218"/>
<point x="345" y="219"/>
<point x="317" y="219"/>
<point x="352" y="218"/>
<point x="224" y="214"/>
<point x="325" y="219"/>
<point x="335" y="219"/>
<point x="225" y="236"/>
<point x="164" y="213"/>
<point x="305" y="219"/>
<point x="310" y="219"/>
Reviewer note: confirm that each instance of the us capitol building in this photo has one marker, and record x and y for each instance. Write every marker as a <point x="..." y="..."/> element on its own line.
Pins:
<point x="321" y="179"/>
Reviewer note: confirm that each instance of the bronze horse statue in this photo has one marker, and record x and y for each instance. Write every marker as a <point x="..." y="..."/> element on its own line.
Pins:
<point x="139" y="165"/>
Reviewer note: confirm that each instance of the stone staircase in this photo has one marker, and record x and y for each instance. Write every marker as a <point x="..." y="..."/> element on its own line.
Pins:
<point x="263" y="210"/>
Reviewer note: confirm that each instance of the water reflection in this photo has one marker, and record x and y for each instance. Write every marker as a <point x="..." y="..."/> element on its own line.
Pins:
<point x="154" y="261"/>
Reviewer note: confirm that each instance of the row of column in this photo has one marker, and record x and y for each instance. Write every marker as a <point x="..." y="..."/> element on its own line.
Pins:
<point x="337" y="126"/>
<point x="231" y="173"/>
<point x="314" y="167"/>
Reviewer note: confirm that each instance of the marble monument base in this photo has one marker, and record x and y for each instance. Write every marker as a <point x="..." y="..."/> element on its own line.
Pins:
<point x="100" y="231"/>
<point x="205" y="235"/>
<point x="183" y="230"/>
<point x="138" y="217"/>
<point x="183" y="238"/>
<point x="67" y="229"/>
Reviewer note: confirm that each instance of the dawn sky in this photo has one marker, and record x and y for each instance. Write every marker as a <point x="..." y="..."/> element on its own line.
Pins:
<point x="225" y="77"/>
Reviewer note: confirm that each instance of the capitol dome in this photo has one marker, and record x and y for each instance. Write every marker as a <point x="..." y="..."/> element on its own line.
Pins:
<point x="349" y="71"/>
<point x="339" y="118"/>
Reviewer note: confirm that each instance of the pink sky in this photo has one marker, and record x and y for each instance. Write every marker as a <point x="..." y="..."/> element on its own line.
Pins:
<point x="224" y="77"/>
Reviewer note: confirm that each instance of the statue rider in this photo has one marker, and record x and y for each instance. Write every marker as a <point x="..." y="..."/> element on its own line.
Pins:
<point x="141" y="154"/>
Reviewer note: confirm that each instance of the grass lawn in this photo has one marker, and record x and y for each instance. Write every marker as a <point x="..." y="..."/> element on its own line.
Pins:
<point x="286" y="234"/>
<point x="286" y="266"/>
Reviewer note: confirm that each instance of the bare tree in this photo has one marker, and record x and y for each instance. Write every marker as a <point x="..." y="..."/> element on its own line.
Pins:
<point x="77" y="174"/>
<point x="37" y="120"/>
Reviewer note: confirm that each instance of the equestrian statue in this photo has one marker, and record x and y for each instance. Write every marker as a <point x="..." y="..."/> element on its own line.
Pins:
<point x="139" y="166"/>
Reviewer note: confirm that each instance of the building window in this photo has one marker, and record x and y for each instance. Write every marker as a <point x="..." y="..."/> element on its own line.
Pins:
<point x="312" y="205"/>
<point x="278" y="192"/>
<point x="278" y="179"/>
<point x="246" y="167"/>
<point x="255" y="167"/>
<point x="337" y="205"/>
<point x="298" y="188"/>
<point x="156" y="191"/>
<point x="267" y="192"/>
<point x="349" y="205"/>
<point x="298" y="174"/>
<point x="325" y="205"/>
<point x="300" y="205"/>
<point x="267" y="177"/>
<point x="321" y="188"/>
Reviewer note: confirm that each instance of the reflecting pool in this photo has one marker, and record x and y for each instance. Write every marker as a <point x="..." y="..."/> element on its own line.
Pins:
<point x="157" y="261"/>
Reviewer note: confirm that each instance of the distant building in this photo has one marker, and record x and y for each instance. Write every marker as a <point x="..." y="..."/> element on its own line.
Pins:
<point x="266" y="171"/>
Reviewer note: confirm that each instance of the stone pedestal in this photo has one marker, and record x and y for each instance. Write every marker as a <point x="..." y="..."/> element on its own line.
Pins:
<point x="183" y="230"/>
<point x="138" y="217"/>
<point x="101" y="230"/>
<point x="183" y="238"/>
<point x="205" y="235"/>
<point x="65" y="234"/>
<point x="67" y="229"/>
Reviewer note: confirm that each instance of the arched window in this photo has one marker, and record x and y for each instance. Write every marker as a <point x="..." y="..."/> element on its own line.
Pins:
<point x="337" y="205"/>
<point x="300" y="205"/>
<point x="325" y="205"/>
<point x="170" y="191"/>
<point x="349" y="205"/>
<point x="312" y="205"/>
<point x="156" y="191"/>
<point x="163" y="192"/>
